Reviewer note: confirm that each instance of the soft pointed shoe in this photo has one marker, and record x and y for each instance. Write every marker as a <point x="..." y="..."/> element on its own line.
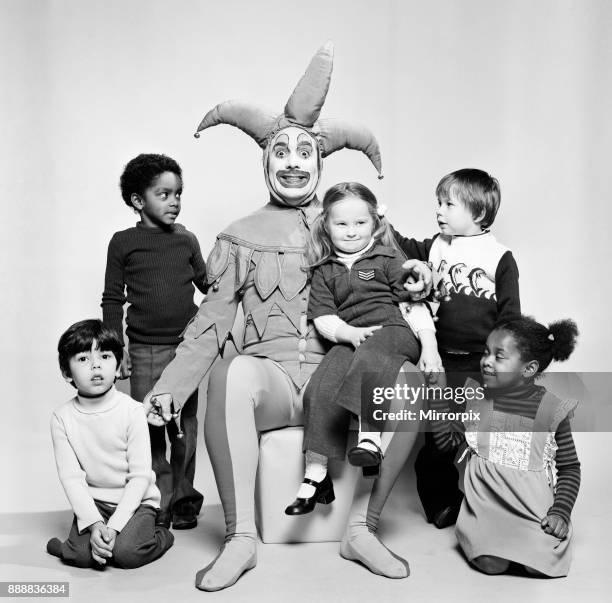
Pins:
<point x="324" y="494"/>
<point x="201" y="582"/>
<point x="350" y="553"/>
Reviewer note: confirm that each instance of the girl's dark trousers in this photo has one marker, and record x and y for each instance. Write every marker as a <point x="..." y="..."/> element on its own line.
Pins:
<point x="333" y="394"/>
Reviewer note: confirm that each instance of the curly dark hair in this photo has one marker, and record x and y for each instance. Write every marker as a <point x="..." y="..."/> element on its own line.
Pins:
<point x="141" y="171"/>
<point x="80" y="336"/>
<point x="544" y="344"/>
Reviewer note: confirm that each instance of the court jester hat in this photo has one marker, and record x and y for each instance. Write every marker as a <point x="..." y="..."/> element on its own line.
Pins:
<point x="302" y="110"/>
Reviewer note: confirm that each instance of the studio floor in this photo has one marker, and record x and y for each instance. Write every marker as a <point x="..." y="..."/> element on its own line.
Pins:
<point x="316" y="572"/>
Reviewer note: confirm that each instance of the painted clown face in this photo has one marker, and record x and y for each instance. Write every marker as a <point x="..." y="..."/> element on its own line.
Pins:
<point x="292" y="171"/>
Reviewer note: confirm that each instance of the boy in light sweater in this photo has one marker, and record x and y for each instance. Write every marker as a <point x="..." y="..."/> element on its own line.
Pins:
<point x="103" y="457"/>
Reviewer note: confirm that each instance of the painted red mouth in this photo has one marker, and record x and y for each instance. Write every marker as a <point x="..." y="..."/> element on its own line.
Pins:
<point x="293" y="178"/>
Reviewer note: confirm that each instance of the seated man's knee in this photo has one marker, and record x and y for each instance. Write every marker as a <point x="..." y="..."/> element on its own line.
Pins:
<point x="491" y="565"/>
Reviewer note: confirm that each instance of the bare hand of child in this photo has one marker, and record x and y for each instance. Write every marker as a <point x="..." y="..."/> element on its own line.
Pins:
<point x="100" y="549"/>
<point x="125" y="370"/>
<point x="430" y="364"/>
<point x="555" y="526"/>
<point x="109" y="536"/>
<point x="360" y="334"/>
<point x="158" y="408"/>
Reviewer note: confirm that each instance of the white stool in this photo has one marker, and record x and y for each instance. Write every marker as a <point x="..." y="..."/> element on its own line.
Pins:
<point x="280" y="472"/>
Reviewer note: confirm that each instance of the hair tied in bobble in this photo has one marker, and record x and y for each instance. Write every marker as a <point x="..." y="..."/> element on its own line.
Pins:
<point x="551" y="337"/>
<point x="381" y="209"/>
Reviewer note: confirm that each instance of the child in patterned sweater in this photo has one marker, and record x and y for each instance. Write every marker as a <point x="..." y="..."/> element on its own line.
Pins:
<point x="476" y="281"/>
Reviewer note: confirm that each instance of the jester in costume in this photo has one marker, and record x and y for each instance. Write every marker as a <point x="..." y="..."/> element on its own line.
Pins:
<point x="257" y="262"/>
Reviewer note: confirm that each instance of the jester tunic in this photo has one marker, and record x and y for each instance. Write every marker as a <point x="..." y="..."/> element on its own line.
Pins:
<point x="257" y="261"/>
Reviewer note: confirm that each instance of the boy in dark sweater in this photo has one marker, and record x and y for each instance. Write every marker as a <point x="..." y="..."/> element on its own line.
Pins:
<point x="476" y="279"/>
<point x="153" y="266"/>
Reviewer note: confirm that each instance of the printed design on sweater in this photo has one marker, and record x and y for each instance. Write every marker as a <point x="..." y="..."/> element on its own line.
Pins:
<point x="460" y="280"/>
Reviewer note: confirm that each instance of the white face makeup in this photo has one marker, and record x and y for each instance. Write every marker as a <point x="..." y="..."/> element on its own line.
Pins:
<point x="293" y="165"/>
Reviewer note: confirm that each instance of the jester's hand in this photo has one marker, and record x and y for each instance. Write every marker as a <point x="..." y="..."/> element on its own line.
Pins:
<point x="158" y="408"/>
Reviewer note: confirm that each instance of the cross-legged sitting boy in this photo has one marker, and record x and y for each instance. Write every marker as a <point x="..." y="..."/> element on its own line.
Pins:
<point x="103" y="456"/>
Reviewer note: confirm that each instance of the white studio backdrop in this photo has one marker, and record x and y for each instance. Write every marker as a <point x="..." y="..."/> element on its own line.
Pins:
<point x="519" y="88"/>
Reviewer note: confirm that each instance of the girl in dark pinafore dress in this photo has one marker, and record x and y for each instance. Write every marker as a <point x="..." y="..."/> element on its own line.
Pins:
<point x="523" y="474"/>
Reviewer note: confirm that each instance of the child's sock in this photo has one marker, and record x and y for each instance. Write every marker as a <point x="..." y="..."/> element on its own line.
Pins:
<point x="316" y="470"/>
<point x="368" y="435"/>
<point x="236" y="557"/>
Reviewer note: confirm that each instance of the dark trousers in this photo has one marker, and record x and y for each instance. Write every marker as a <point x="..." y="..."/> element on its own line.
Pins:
<point x="139" y="543"/>
<point x="333" y="394"/>
<point x="174" y="478"/>
<point x="437" y="477"/>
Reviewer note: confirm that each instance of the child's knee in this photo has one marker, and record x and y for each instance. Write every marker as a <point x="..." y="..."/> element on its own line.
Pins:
<point x="366" y="358"/>
<point x="491" y="565"/>
<point x="125" y="556"/>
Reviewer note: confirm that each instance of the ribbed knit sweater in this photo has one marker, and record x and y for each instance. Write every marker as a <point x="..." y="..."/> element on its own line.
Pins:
<point x="103" y="452"/>
<point x="153" y="270"/>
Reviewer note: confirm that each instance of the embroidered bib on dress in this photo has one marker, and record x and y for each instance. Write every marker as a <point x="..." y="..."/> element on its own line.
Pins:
<point x="515" y="441"/>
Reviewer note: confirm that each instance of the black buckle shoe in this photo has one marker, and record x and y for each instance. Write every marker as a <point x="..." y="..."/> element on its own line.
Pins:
<point x="324" y="494"/>
<point x="368" y="460"/>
